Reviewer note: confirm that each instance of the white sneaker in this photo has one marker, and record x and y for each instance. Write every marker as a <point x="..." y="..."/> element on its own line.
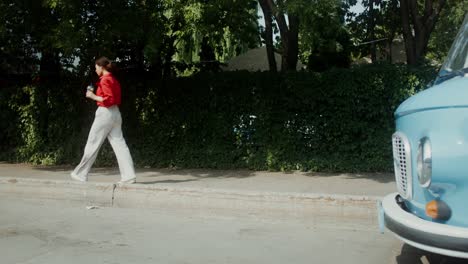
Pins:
<point x="129" y="181"/>
<point x="78" y="178"/>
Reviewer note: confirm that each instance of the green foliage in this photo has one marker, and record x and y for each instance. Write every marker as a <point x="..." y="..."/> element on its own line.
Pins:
<point x="446" y="29"/>
<point x="42" y="128"/>
<point x="321" y="25"/>
<point x="339" y="120"/>
<point x="386" y="19"/>
<point x="227" y="27"/>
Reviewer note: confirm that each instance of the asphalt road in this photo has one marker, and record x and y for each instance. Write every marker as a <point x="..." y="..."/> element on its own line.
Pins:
<point x="49" y="232"/>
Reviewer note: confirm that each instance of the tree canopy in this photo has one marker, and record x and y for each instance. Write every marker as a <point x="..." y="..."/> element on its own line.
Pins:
<point x="175" y="37"/>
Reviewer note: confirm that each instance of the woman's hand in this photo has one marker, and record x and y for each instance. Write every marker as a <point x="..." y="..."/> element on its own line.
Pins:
<point x="94" y="97"/>
<point x="89" y="94"/>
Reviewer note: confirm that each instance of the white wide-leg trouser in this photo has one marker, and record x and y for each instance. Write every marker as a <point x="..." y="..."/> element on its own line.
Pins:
<point x="107" y="123"/>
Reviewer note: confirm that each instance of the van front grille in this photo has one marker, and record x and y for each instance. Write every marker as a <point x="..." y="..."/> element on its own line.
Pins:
<point x="402" y="164"/>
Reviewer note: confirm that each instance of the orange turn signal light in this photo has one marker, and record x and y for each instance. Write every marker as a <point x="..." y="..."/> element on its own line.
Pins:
<point x="439" y="210"/>
<point x="432" y="209"/>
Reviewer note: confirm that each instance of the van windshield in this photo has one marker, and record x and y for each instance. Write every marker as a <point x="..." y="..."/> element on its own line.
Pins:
<point x="456" y="63"/>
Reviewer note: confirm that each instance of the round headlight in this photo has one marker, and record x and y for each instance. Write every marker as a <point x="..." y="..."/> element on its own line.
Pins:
<point x="424" y="162"/>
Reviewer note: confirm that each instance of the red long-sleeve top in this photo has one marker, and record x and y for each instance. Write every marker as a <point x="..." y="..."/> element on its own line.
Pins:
<point x="109" y="89"/>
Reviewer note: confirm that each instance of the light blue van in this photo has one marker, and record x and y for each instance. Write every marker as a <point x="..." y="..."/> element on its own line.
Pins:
<point x="430" y="151"/>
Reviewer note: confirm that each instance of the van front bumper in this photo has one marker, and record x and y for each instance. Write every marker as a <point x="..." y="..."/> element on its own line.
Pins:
<point x="430" y="236"/>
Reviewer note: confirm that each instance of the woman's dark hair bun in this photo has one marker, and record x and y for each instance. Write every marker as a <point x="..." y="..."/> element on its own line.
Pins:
<point x="107" y="64"/>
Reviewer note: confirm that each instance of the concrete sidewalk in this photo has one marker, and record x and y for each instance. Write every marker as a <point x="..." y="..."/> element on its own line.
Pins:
<point x="365" y="185"/>
<point x="300" y="194"/>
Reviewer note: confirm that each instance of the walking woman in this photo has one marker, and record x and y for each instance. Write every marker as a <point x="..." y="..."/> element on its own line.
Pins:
<point x="107" y="123"/>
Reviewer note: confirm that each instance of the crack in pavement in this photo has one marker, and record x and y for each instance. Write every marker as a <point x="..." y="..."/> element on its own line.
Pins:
<point x="113" y="193"/>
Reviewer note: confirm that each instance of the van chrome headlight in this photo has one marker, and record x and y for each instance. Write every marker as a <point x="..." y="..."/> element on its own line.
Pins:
<point x="424" y="162"/>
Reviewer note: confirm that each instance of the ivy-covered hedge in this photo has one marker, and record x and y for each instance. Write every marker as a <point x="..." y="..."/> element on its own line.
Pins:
<point x="340" y="120"/>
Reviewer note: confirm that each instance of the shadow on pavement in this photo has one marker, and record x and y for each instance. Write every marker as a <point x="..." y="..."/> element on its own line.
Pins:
<point x="157" y="172"/>
<point x="198" y="173"/>
<point x="167" y="181"/>
<point x="412" y="255"/>
<point x="213" y="173"/>
<point x="381" y="177"/>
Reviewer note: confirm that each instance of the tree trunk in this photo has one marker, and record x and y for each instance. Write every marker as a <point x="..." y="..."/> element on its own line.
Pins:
<point x="49" y="76"/>
<point x="389" y="51"/>
<point x="407" y="33"/>
<point x="395" y="15"/>
<point x="417" y="29"/>
<point x="268" y="17"/>
<point x="170" y="47"/>
<point x="208" y="57"/>
<point x="293" y="48"/>
<point x="170" y="51"/>
<point x="371" y="25"/>
<point x="289" y="37"/>
<point x="206" y="53"/>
